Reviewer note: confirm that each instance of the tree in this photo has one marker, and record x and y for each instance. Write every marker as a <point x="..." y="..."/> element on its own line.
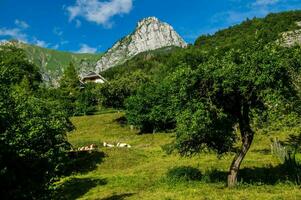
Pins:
<point x="150" y="109"/>
<point x="230" y="90"/>
<point x="88" y="99"/>
<point x="14" y="68"/>
<point x="115" y="92"/>
<point x="69" y="89"/>
<point x="32" y="131"/>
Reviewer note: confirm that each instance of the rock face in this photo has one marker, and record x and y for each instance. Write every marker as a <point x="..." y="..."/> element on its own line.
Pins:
<point x="291" y="38"/>
<point x="150" y="34"/>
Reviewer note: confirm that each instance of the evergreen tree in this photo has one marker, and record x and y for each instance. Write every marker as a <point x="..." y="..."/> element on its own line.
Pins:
<point x="69" y="89"/>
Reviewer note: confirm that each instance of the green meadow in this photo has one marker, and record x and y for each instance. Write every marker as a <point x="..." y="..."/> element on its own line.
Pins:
<point x="146" y="171"/>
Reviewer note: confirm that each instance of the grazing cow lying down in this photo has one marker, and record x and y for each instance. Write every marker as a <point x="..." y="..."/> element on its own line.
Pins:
<point x="120" y="145"/>
<point x="108" y="145"/>
<point x="123" y="145"/>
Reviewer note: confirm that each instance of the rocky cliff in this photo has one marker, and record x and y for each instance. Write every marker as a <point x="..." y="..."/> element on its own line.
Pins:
<point x="291" y="38"/>
<point x="150" y="34"/>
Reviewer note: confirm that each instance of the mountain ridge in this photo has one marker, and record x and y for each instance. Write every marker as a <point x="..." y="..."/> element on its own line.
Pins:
<point x="150" y="34"/>
<point x="284" y="27"/>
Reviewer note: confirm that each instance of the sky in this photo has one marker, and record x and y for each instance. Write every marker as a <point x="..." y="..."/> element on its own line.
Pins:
<point x="91" y="26"/>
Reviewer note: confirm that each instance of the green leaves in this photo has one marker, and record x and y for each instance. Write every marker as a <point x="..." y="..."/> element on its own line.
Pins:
<point x="205" y="103"/>
<point x="32" y="130"/>
<point x="115" y="92"/>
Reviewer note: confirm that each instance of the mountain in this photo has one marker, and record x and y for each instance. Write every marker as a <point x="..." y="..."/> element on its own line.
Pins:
<point x="52" y="62"/>
<point x="153" y="42"/>
<point x="150" y="34"/>
<point x="282" y="27"/>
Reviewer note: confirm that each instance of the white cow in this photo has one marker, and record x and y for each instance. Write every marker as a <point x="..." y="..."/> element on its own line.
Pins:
<point x="123" y="145"/>
<point x="108" y="145"/>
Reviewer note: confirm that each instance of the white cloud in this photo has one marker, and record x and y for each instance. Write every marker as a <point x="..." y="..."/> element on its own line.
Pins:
<point x="21" y="24"/>
<point x="84" y="48"/>
<point x="40" y="43"/>
<point x="18" y="33"/>
<point x="14" y="33"/>
<point x="265" y="2"/>
<point x="99" y="12"/>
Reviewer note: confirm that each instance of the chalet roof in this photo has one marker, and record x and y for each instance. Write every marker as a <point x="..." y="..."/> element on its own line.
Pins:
<point x="93" y="75"/>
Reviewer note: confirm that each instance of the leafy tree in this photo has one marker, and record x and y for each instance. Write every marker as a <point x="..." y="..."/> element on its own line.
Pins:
<point x="225" y="91"/>
<point x="18" y="69"/>
<point x="32" y="131"/>
<point x="155" y="105"/>
<point x="150" y="108"/>
<point x="116" y="91"/>
<point x="231" y="90"/>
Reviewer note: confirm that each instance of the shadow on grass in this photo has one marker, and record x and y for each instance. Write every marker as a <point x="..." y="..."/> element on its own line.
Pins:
<point x="82" y="162"/>
<point x="262" y="151"/>
<point x="184" y="173"/>
<point x="269" y="175"/>
<point x="118" y="196"/>
<point x="122" y="121"/>
<point x="76" y="187"/>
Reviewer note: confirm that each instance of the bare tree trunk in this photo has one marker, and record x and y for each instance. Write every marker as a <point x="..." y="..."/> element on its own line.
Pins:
<point x="247" y="137"/>
<point x="232" y="177"/>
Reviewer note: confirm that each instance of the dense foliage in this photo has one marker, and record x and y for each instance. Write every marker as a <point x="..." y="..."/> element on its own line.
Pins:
<point x="115" y="92"/>
<point x="75" y="97"/>
<point x="32" y="133"/>
<point x="267" y="29"/>
<point x="212" y="93"/>
<point x="69" y="89"/>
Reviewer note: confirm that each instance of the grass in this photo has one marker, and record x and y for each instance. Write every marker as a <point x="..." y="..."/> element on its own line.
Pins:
<point x="146" y="172"/>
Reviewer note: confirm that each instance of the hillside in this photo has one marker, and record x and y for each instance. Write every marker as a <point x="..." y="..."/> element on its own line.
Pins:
<point x="145" y="171"/>
<point x="52" y="62"/>
<point x="265" y="30"/>
<point x="149" y="62"/>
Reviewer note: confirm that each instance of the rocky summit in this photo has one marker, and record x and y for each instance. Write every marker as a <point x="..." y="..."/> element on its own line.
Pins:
<point x="150" y="34"/>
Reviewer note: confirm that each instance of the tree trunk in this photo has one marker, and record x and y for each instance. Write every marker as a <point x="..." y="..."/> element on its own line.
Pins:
<point x="247" y="137"/>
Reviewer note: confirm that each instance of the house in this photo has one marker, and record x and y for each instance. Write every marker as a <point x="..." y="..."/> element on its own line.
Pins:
<point x="93" y="77"/>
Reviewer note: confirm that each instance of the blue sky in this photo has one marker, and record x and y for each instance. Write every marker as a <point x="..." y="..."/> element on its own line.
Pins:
<point x="95" y="25"/>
